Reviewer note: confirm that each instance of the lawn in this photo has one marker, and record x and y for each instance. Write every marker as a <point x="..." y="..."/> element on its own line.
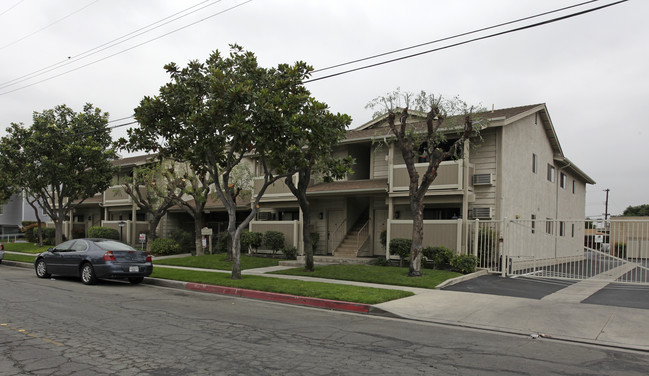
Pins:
<point x="218" y="262"/>
<point x="26" y="247"/>
<point x="389" y="275"/>
<point x="19" y="258"/>
<point x="366" y="295"/>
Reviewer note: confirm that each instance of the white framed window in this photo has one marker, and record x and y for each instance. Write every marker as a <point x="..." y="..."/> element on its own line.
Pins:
<point x="551" y="173"/>
<point x="535" y="163"/>
<point x="563" y="181"/>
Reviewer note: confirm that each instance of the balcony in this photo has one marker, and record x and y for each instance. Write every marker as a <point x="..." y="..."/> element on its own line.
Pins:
<point x="275" y="191"/>
<point x="116" y="196"/>
<point x="450" y="177"/>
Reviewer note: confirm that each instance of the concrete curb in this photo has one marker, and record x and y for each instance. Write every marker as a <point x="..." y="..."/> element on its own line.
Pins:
<point x="268" y="296"/>
<point x="462" y="278"/>
<point x="19" y="264"/>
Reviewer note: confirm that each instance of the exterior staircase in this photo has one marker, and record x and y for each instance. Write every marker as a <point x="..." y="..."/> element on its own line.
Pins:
<point x="354" y="239"/>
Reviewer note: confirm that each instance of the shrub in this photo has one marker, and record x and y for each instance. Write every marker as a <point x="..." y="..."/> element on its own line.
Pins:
<point x="400" y="247"/>
<point x="185" y="240"/>
<point x="164" y="246"/>
<point x="465" y="264"/>
<point x="290" y="252"/>
<point x="251" y="239"/>
<point x="439" y="256"/>
<point x="383" y="238"/>
<point x="380" y="261"/>
<point x="221" y="242"/>
<point x="274" y="240"/>
<point x="103" y="232"/>
<point x="49" y="235"/>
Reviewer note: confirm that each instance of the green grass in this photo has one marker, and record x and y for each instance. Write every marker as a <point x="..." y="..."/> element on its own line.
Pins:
<point x="19" y="258"/>
<point x="25" y="247"/>
<point x="376" y="274"/>
<point x="366" y="295"/>
<point x="218" y="262"/>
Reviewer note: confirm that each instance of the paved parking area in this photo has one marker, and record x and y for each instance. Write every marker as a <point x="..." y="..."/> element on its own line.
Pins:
<point x="621" y="295"/>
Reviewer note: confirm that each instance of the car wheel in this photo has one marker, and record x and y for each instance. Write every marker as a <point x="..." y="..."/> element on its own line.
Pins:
<point x="41" y="269"/>
<point x="136" y="280"/>
<point x="88" y="274"/>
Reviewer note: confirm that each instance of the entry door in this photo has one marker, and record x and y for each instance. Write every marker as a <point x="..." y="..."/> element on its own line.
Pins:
<point x="334" y="220"/>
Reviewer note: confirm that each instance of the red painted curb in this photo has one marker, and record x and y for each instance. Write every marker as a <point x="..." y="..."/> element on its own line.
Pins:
<point x="282" y="298"/>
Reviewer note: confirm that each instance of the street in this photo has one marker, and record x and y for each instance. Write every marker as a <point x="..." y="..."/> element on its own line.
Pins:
<point x="62" y="327"/>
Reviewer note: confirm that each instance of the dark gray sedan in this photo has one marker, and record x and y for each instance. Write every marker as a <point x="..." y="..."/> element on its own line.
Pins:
<point x="92" y="259"/>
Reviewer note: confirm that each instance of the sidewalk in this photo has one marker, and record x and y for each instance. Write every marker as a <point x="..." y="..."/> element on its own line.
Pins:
<point x="557" y="316"/>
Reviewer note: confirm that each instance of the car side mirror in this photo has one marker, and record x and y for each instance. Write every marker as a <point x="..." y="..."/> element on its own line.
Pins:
<point x="50" y="249"/>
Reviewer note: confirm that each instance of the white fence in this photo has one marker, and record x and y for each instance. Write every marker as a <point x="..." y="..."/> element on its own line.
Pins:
<point x="616" y="251"/>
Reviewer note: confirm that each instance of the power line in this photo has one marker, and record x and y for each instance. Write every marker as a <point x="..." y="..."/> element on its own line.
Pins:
<point x="47" y="26"/>
<point x="454" y="36"/>
<point x="127" y="49"/>
<point x="468" y="41"/>
<point x="11" y="7"/>
<point x="107" y="45"/>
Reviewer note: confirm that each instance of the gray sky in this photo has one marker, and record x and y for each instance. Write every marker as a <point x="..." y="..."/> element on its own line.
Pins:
<point x="589" y="70"/>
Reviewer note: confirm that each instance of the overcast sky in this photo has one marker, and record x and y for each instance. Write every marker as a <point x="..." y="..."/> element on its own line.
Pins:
<point x="590" y="70"/>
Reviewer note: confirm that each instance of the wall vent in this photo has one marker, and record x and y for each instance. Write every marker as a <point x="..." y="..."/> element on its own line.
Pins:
<point x="482" y="179"/>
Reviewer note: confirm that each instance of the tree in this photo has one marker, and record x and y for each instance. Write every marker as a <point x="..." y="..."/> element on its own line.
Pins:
<point x="153" y="189"/>
<point x="319" y="133"/>
<point x="425" y="142"/>
<point x="636" y="211"/>
<point x="213" y="114"/>
<point x="62" y="159"/>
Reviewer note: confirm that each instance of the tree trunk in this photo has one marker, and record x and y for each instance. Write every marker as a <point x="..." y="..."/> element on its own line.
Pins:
<point x="306" y="230"/>
<point x="153" y="226"/>
<point x="417" y="210"/>
<point x="58" y="232"/>
<point x="198" y="238"/>
<point x="236" y="254"/>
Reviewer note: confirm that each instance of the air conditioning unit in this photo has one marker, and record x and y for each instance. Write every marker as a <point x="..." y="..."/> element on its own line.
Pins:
<point x="482" y="179"/>
<point x="482" y="213"/>
<point x="265" y="216"/>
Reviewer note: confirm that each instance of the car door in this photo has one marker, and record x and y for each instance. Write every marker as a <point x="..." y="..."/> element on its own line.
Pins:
<point x="73" y="256"/>
<point x="55" y="258"/>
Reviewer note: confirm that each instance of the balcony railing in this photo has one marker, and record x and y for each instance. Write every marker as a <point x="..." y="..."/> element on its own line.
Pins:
<point x="276" y="190"/>
<point x="449" y="176"/>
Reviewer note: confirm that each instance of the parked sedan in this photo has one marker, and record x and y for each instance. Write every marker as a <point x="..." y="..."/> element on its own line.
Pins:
<point x="92" y="259"/>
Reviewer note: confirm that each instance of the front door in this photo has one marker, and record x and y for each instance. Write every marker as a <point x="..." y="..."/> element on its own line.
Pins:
<point x="380" y="225"/>
<point x="336" y="230"/>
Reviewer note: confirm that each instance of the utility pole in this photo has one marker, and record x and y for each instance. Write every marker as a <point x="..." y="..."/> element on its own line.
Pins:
<point x="606" y="205"/>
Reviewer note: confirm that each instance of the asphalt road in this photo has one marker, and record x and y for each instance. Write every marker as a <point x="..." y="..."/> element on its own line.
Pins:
<point x="62" y="327"/>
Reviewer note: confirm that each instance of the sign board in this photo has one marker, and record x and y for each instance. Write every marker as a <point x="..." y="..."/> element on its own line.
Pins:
<point x="599" y="238"/>
<point x="206" y="231"/>
<point x="142" y="238"/>
<point x="204" y="243"/>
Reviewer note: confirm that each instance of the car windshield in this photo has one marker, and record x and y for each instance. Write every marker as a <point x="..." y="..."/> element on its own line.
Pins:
<point x="111" y="245"/>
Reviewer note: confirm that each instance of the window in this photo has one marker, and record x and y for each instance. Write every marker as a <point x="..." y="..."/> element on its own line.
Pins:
<point x="573" y="230"/>
<point x="574" y="187"/>
<point x="535" y="163"/>
<point x="562" y="228"/>
<point x="550" y="173"/>
<point x="533" y="225"/>
<point x="548" y="225"/>
<point x="564" y="181"/>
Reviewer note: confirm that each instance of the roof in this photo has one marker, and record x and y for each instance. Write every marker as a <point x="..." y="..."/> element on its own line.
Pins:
<point x="214" y="203"/>
<point x="134" y="161"/>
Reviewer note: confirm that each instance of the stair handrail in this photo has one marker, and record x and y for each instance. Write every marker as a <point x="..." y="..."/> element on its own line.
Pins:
<point x="337" y="236"/>
<point x="364" y="232"/>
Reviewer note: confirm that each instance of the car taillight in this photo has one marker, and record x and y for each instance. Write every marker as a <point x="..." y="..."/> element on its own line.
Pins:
<point x="2" y="247"/>
<point x="109" y="256"/>
<point x="148" y="257"/>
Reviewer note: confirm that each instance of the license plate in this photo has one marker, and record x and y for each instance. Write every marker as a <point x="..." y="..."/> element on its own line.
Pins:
<point x="133" y="269"/>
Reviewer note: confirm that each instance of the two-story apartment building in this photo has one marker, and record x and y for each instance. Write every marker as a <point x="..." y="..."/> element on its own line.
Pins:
<point x="516" y="169"/>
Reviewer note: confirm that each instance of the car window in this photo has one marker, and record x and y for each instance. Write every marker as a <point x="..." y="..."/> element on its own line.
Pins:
<point x="79" y="246"/>
<point x="112" y="245"/>
<point x="65" y="246"/>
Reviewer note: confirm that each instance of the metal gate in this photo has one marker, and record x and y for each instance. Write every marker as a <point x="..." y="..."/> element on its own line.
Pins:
<point x="615" y="250"/>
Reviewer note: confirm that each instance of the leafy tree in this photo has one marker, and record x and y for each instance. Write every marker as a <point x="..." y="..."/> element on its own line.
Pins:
<point x="197" y="186"/>
<point x="61" y="160"/>
<point x="211" y="115"/>
<point x="153" y="189"/>
<point x="636" y="211"/>
<point x="317" y="134"/>
<point x="426" y="142"/>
